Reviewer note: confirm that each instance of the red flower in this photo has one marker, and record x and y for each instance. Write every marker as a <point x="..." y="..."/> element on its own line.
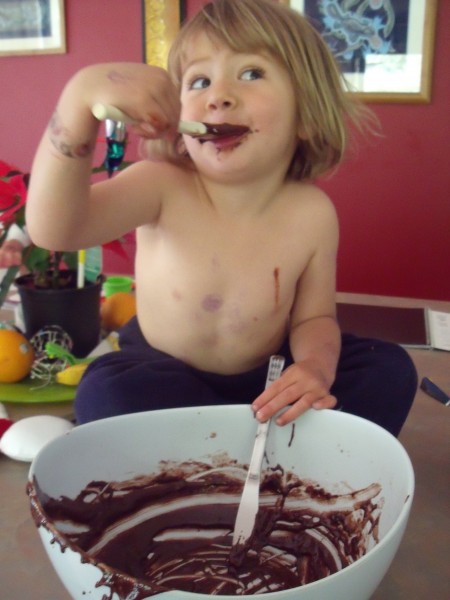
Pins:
<point x="7" y="170"/>
<point x="13" y="194"/>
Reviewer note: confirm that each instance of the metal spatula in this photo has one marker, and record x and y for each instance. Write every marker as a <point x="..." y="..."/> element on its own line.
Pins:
<point x="248" y="507"/>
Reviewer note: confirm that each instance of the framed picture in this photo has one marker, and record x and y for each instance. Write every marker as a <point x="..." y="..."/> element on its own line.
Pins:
<point x="32" y="27"/>
<point x="385" y="48"/>
<point x="161" y="22"/>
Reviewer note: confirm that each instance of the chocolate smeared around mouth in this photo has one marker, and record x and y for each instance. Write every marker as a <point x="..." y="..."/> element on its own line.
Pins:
<point x="173" y="530"/>
<point x="222" y="130"/>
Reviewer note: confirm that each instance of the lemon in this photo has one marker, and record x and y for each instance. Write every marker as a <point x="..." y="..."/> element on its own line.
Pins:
<point x="16" y="356"/>
<point x="72" y="375"/>
<point x="117" y="309"/>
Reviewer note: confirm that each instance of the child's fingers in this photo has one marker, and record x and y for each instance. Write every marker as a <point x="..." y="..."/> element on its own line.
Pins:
<point x="297" y="388"/>
<point x="298" y="403"/>
<point x="303" y="405"/>
<point x="143" y="96"/>
<point x="269" y="393"/>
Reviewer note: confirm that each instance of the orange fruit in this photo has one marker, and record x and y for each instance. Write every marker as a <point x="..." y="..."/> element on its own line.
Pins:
<point x="116" y="310"/>
<point x="16" y="356"/>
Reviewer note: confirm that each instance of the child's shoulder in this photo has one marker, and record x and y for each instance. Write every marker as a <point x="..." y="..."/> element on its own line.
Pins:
<point x="306" y="195"/>
<point x="309" y="203"/>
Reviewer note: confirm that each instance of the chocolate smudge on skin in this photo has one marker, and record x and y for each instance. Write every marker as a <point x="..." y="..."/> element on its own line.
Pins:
<point x="118" y="77"/>
<point x="276" y="277"/>
<point x="60" y="138"/>
<point x="212" y="303"/>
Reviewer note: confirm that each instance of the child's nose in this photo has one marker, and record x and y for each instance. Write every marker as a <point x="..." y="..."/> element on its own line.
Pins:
<point x="221" y="96"/>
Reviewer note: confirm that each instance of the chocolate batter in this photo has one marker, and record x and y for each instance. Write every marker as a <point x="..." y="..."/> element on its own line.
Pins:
<point x="217" y="130"/>
<point x="173" y="530"/>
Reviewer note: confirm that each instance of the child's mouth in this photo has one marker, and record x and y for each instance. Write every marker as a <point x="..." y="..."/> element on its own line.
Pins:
<point x="224" y="134"/>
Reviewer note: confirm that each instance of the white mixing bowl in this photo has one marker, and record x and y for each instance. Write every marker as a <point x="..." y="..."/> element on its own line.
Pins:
<point x="328" y="447"/>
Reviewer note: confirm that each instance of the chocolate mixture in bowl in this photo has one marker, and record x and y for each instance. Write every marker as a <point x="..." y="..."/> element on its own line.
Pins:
<point x="173" y="530"/>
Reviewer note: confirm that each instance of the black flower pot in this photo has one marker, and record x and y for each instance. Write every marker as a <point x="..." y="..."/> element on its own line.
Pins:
<point x="75" y="310"/>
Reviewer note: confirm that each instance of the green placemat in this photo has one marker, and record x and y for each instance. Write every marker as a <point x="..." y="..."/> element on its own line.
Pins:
<point x="32" y="391"/>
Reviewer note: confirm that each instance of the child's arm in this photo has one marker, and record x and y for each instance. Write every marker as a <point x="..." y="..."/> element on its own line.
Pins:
<point x="62" y="208"/>
<point x="314" y="335"/>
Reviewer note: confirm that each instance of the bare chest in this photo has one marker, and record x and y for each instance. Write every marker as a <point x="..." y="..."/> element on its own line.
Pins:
<point x="235" y="275"/>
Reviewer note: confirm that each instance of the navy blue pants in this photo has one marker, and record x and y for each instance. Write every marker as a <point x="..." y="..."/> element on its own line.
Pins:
<point x="375" y="380"/>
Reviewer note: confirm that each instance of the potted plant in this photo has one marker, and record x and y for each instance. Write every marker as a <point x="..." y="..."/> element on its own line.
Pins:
<point x="49" y="291"/>
<point x="52" y="297"/>
<point x="45" y="267"/>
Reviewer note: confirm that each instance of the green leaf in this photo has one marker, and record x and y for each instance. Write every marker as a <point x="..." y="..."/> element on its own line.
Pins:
<point x="36" y="258"/>
<point x="71" y="259"/>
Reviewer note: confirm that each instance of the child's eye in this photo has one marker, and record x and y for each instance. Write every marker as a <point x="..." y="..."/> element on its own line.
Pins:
<point x="251" y="74"/>
<point x="198" y="83"/>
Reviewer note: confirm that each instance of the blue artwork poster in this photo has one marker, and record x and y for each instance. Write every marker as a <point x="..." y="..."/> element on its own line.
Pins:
<point x="25" y="19"/>
<point x="354" y="29"/>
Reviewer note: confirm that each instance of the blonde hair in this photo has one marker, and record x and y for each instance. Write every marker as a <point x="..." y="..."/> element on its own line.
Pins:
<point x="323" y="106"/>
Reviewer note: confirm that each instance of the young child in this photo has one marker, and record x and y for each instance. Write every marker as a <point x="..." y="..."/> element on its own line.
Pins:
<point x="236" y="247"/>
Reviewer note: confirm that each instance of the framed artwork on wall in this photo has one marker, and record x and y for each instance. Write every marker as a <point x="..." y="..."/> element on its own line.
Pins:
<point x="161" y="21"/>
<point x="384" y="48"/>
<point x="32" y="27"/>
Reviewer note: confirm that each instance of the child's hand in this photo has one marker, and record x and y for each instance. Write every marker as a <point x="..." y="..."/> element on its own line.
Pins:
<point x="143" y="92"/>
<point x="11" y="254"/>
<point x="301" y="386"/>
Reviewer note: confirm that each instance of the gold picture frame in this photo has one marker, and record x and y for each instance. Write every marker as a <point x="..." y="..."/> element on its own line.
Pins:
<point x="404" y="77"/>
<point x="31" y="27"/>
<point x="161" y="20"/>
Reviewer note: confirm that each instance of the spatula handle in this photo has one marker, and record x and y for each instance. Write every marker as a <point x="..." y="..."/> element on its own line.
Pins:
<point x="102" y="112"/>
<point x="276" y="365"/>
<point x="248" y="506"/>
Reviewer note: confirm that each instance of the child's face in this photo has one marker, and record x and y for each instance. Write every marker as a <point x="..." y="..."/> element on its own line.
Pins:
<point x="220" y="85"/>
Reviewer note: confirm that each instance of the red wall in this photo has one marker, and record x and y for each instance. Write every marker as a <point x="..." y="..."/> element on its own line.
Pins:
<point x="97" y="31"/>
<point x="393" y="199"/>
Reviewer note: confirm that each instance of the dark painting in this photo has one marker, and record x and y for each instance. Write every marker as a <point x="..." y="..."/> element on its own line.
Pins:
<point x="355" y="28"/>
